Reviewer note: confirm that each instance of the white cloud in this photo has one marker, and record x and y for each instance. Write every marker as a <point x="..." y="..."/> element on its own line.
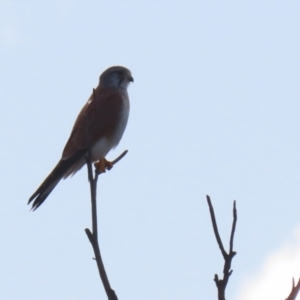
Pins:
<point x="274" y="280"/>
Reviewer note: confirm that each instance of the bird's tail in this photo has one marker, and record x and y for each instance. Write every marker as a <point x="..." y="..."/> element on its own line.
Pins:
<point x="52" y="180"/>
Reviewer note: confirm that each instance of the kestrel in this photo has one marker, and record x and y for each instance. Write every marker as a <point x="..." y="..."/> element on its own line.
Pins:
<point x="100" y="125"/>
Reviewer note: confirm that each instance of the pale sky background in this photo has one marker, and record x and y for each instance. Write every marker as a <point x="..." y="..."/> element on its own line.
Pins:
<point x="214" y="110"/>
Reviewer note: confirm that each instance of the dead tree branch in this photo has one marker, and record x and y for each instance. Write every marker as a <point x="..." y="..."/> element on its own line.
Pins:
<point x="295" y="291"/>
<point x="93" y="236"/>
<point x="222" y="283"/>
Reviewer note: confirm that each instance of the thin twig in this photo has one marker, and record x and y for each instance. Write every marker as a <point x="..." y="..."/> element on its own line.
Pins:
<point x="295" y="291"/>
<point x="222" y="283"/>
<point x="233" y="227"/>
<point x="215" y="227"/>
<point x="119" y="157"/>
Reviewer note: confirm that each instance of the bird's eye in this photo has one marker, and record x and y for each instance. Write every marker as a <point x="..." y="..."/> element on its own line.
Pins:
<point x="120" y="73"/>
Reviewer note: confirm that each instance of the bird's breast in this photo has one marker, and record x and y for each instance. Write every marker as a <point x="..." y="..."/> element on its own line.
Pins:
<point x="105" y="144"/>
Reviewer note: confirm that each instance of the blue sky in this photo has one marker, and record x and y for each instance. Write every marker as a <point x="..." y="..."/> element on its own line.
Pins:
<point x="214" y="110"/>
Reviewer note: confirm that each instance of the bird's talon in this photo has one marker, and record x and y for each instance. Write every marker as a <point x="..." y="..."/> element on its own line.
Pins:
<point x="102" y="165"/>
<point x="108" y="165"/>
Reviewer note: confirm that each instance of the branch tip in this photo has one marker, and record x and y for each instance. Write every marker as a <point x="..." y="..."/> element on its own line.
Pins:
<point x="119" y="157"/>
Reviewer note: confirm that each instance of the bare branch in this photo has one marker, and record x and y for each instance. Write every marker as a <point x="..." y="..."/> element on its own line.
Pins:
<point x="233" y="227"/>
<point x="119" y="157"/>
<point x="93" y="236"/>
<point x="222" y="283"/>
<point x="215" y="227"/>
<point x="295" y="291"/>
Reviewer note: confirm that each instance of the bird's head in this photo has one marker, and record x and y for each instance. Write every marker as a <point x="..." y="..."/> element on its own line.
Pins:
<point x="117" y="77"/>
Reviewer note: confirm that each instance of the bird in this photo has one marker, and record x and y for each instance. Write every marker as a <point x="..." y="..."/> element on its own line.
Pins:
<point x="99" y="127"/>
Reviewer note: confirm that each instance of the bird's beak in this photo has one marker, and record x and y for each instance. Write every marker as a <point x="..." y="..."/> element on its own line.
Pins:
<point x="131" y="78"/>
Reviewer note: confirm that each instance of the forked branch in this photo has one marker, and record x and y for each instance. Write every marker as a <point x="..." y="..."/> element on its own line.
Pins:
<point x="295" y="291"/>
<point x="93" y="236"/>
<point x="222" y="283"/>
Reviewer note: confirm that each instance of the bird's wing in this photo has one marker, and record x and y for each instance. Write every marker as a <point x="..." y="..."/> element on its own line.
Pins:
<point x="98" y="118"/>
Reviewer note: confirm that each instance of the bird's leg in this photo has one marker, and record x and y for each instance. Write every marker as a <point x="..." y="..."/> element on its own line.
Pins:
<point x="102" y="165"/>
